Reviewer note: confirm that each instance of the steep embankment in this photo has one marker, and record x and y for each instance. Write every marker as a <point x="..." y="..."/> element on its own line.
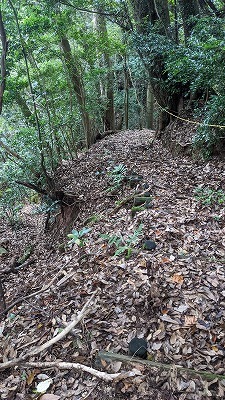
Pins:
<point x="172" y="295"/>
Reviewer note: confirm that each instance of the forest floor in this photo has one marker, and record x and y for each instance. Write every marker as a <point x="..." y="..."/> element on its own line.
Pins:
<point x="173" y="295"/>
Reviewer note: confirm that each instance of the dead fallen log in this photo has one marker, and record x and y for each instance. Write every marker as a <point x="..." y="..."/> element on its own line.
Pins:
<point x="126" y="200"/>
<point x="107" y="356"/>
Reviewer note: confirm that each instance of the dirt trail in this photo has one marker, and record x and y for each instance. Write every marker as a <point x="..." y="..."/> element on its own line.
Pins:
<point x="174" y="295"/>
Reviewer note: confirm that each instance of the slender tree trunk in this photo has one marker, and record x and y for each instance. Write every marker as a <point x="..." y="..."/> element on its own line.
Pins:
<point x="109" y="117"/>
<point x="163" y="14"/>
<point x="149" y="107"/>
<point x="126" y="96"/>
<point x="78" y="87"/>
<point x="28" y="115"/>
<point x="155" y="13"/>
<point x="3" y="60"/>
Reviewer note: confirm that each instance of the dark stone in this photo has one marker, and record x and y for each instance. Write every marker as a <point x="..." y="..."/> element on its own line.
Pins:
<point x="138" y="348"/>
<point x="145" y="185"/>
<point x="149" y="245"/>
<point x="138" y="201"/>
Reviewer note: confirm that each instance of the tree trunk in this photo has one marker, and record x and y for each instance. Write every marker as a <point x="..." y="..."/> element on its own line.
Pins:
<point x="28" y="115"/>
<point x="3" y="60"/>
<point x="149" y="107"/>
<point x="109" y="116"/>
<point x="78" y="87"/>
<point x="188" y="9"/>
<point x="163" y="14"/>
<point x="126" y="95"/>
<point x="149" y="13"/>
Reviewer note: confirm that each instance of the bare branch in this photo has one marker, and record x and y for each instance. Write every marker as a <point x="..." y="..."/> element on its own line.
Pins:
<point x="61" y="335"/>
<point x="80" y="367"/>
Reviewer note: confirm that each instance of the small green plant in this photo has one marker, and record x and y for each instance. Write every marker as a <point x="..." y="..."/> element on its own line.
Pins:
<point x="124" y="245"/>
<point x="208" y="196"/>
<point x="76" y="237"/>
<point x="117" y="176"/>
<point x="92" y="219"/>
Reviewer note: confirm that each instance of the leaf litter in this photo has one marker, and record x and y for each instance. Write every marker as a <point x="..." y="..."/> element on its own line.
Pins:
<point x="174" y="295"/>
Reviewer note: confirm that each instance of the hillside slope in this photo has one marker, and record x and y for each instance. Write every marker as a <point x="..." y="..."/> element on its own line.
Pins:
<point x="173" y="295"/>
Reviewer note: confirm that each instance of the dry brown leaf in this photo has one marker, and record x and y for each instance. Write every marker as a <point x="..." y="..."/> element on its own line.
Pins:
<point x="31" y="376"/>
<point x="178" y="278"/>
<point x="190" y="320"/>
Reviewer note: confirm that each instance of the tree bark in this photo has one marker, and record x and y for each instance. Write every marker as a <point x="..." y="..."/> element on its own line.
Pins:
<point x="149" y="107"/>
<point x="109" y="116"/>
<point x="188" y="9"/>
<point x="163" y="14"/>
<point x="149" y="13"/>
<point x="78" y="87"/>
<point x="3" y="60"/>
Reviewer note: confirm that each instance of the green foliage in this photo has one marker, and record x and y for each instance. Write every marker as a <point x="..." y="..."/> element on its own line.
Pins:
<point x="76" y="237"/>
<point x="92" y="219"/>
<point x="122" y="244"/>
<point x="209" y="137"/>
<point x="116" y="177"/>
<point x="208" y="197"/>
<point x="42" y="25"/>
<point x="200" y="66"/>
<point x="47" y="206"/>
<point x="201" y="61"/>
<point x="11" y="205"/>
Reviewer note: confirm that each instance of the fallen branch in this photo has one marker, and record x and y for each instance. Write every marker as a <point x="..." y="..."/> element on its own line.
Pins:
<point x="55" y="339"/>
<point x="104" y="355"/>
<point x="80" y="367"/>
<point x="2" y="297"/>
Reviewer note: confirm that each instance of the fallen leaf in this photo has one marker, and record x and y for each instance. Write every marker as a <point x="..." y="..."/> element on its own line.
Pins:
<point x="165" y="260"/>
<point x="3" y="251"/>
<point x="190" y="320"/>
<point x="30" y="377"/>
<point x="156" y="346"/>
<point x="115" y="366"/>
<point x="177" y="278"/>
<point x="43" y="386"/>
<point x="42" y="377"/>
<point x="182" y="308"/>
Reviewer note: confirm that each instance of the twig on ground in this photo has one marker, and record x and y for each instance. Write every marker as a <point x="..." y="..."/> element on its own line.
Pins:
<point x="61" y="335"/>
<point x="2" y="298"/>
<point x="80" y="367"/>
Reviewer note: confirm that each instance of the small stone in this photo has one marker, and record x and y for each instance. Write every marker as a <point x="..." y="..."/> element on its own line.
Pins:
<point x="138" y="347"/>
<point x="149" y="245"/>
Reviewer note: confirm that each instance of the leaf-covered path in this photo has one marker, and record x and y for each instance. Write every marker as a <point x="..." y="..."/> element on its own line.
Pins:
<point x="173" y="295"/>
